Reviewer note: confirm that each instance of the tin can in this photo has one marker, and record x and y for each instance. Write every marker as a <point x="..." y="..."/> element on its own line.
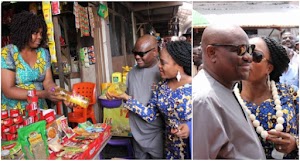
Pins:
<point x="18" y="119"/>
<point x="31" y="93"/>
<point x="4" y="114"/>
<point x="20" y="125"/>
<point x="32" y="113"/>
<point x="27" y="121"/>
<point x="4" y="136"/>
<point x="31" y="119"/>
<point x="8" y="122"/>
<point x="29" y="107"/>
<point x="10" y="136"/>
<point x="4" y="129"/>
<point x="31" y="99"/>
<point x="13" y="129"/>
<point x="14" y="112"/>
<point x="36" y="118"/>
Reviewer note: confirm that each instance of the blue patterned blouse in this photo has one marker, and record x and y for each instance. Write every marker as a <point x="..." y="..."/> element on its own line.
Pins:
<point x="266" y="114"/>
<point x="26" y="76"/>
<point x="176" y="108"/>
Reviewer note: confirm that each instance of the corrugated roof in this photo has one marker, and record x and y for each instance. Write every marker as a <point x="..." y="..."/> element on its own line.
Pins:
<point x="245" y="14"/>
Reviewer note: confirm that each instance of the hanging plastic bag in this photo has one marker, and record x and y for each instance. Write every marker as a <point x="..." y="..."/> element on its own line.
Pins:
<point x="102" y="11"/>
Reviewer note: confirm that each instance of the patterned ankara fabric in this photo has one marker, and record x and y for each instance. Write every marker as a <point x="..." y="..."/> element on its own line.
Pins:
<point x="176" y="108"/>
<point x="26" y="76"/>
<point x="266" y="114"/>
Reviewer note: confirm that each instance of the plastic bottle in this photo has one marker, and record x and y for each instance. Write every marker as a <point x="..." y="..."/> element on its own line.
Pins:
<point x="126" y="69"/>
<point x="68" y="96"/>
<point x="117" y="89"/>
<point x="116" y="77"/>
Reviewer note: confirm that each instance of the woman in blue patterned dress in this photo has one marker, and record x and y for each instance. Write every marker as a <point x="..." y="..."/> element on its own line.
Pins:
<point x="171" y="98"/>
<point x="25" y="65"/>
<point x="274" y="106"/>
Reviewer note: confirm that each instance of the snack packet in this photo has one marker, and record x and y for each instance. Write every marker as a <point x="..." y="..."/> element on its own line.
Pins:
<point x="33" y="140"/>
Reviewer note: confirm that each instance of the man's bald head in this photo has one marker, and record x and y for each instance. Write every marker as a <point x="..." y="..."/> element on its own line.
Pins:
<point x="146" y="41"/>
<point x="146" y="44"/>
<point x="222" y="34"/>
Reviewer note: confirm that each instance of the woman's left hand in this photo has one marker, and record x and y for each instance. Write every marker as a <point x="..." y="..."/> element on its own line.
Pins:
<point x="284" y="142"/>
<point x="69" y="104"/>
<point x="182" y="131"/>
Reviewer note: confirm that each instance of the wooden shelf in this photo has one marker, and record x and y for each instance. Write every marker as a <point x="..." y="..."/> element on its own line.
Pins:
<point x="69" y="76"/>
<point x="64" y="46"/>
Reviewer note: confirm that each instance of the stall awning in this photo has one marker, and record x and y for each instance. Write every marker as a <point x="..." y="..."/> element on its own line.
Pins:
<point x="256" y="14"/>
<point x="258" y="20"/>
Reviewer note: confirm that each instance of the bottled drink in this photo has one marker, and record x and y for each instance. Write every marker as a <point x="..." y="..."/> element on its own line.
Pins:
<point x="68" y="96"/>
<point x="117" y="89"/>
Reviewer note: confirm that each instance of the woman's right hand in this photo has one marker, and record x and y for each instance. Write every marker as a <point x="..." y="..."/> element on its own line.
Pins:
<point x="53" y="96"/>
<point x="284" y="142"/>
<point x="122" y="96"/>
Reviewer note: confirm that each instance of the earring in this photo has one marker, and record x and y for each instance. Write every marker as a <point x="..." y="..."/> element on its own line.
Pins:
<point x="268" y="81"/>
<point x="178" y="76"/>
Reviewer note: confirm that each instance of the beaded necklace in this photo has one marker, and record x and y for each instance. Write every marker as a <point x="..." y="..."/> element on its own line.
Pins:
<point x="259" y="129"/>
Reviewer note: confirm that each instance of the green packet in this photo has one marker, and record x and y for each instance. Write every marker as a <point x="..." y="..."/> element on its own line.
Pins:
<point x="33" y="140"/>
<point x="12" y="146"/>
<point x="85" y="125"/>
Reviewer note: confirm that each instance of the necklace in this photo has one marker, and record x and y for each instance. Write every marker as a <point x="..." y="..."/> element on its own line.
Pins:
<point x="259" y="129"/>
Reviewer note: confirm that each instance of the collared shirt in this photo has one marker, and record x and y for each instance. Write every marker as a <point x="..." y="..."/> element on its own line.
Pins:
<point x="223" y="130"/>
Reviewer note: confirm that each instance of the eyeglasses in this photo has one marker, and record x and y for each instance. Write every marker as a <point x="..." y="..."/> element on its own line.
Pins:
<point x="240" y="49"/>
<point x="141" y="54"/>
<point x="257" y="57"/>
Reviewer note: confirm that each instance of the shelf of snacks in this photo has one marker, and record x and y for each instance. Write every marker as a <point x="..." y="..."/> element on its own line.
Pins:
<point x="37" y="134"/>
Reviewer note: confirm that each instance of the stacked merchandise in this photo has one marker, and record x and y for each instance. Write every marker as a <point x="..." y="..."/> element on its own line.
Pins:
<point x="50" y="28"/>
<point x="15" y="119"/>
<point x="82" y="142"/>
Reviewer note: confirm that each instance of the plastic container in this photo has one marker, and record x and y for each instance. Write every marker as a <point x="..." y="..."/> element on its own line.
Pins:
<point x="68" y="96"/>
<point x="104" y="87"/>
<point x="117" y="89"/>
<point x="126" y="69"/>
<point x="114" y="103"/>
<point x="116" y="77"/>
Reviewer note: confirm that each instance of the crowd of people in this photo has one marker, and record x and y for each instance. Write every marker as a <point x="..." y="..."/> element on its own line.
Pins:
<point x="244" y="103"/>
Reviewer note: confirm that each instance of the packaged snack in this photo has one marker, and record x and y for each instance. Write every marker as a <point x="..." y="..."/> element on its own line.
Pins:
<point x="14" y="148"/>
<point x="62" y="124"/>
<point x="33" y="140"/>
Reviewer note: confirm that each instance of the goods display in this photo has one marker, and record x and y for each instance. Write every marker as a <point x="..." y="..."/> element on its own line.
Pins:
<point x="57" y="141"/>
<point x="33" y="141"/>
<point x="37" y="135"/>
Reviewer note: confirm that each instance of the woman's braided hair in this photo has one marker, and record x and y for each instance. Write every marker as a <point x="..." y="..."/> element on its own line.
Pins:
<point x="180" y="51"/>
<point x="279" y="58"/>
<point x="22" y="27"/>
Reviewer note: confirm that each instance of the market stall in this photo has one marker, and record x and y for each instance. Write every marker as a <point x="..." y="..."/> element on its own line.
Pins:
<point x="34" y="133"/>
<point x="41" y="134"/>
